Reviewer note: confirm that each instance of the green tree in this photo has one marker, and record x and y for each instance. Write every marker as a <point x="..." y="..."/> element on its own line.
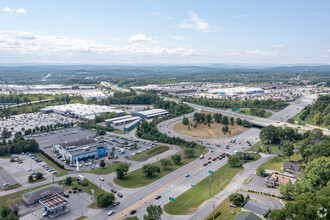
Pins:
<point x="231" y="120"/>
<point x="287" y="191"/>
<point x="217" y="117"/>
<point x="190" y="153"/>
<point x="149" y="170"/>
<point x="105" y="199"/>
<point x="102" y="163"/>
<point x="236" y="199"/>
<point x="39" y="176"/>
<point x="288" y="149"/>
<point x="176" y="159"/>
<point x="239" y="121"/>
<point x="260" y="171"/>
<point x="165" y="163"/>
<point x="122" y="170"/>
<point x="185" y="121"/>
<point x="68" y="180"/>
<point x="224" y="120"/>
<point x="234" y="161"/>
<point x="154" y="212"/>
<point x="208" y="118"/>
<point x="30" y="178"/>
<point x="317" y="119"/>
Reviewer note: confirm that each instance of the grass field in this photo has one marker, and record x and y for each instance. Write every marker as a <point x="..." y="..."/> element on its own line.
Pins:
<point x="189" y="201"/>
<point x="277" y="162"/>
<point x="81" y="218"/>
<point x="274" y="148"/>
<point x="227" y="212"/>
<point x="137" y="178"/>
<point x="267" y="114"/>
<point x="51" y="164"/>
<point x="105" y="170"/>
<point x="150" y="153"/>
<point x="88" y="189"/>
<point x="204" y="131"/>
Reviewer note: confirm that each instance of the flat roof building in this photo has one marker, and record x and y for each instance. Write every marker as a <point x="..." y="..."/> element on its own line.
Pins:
<point x="257" y="208"/>
<point x="82" y="150"/>
<point x="124" y="123"/>
<point x="82" y="111"/>
<point x="151" y="113"/>
<point x="34" y="196"/>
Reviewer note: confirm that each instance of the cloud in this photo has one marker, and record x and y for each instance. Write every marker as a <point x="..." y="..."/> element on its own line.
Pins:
<point x="7" y="9"/>
<point x="329" y="50"/>
<point x="139" y="38"/>
<point x="182" y="38"/>
<point x="21" y="10"/>
<point x="39" y="47"/>
<point x="196" y="23"/>
<point x="157" y="14"/>
<point x="240" y="16"/>
<point x="317" y="13"/>
<point x="279" y="45"/>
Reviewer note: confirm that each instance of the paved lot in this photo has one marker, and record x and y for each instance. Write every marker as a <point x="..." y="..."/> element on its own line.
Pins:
<point x="78" y="207"/>
<point x="31" y="120"/>
<point x="257" y="183"/>
<point x="19" y="172"/>
<point x="5" y="177"/>
<point x="48" y="139"/>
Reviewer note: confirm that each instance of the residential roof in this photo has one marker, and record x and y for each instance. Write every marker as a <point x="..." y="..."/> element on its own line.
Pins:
<point x="33" y="195"/>
<point x="246" y="216"/>
<point x="256" y="207"/>
<point x="291" y="165"/>
<point x="53" y="202"/>
<point x="281" y="178"/>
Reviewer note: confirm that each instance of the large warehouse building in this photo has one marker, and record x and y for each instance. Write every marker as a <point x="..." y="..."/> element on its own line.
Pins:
<point x="151" y="113"/>
<point x="82" y="111"/>
<point x="124" y="123"/>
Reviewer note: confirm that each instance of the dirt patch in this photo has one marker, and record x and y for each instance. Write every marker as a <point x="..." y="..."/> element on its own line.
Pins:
<point x="205" y="131"/>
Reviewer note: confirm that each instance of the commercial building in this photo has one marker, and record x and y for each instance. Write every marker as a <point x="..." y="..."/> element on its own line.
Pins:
<point x="236" y="91"/>
<point x="258" y="209"/>
<point x="81" y="111"/>
<point x="180" y="92"/>
<point x="56" y="205"/>
<point x="124" y="123"/>
<point x="34" y="196"/>
<point x="82" y="150"/>
<point x="97" y="95"/>
<point x="151" y="113"/>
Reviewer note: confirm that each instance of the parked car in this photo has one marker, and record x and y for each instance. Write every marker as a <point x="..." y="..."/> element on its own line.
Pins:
<point x="5" y="184"/>
<point x="66" y="195"/>
<point x="120" y="195"/>
<point x="102" y="179"/>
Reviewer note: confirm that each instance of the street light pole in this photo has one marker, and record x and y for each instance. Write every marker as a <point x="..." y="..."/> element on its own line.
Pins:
<point x="209" y="184"/>
<point x="213" y="211"/>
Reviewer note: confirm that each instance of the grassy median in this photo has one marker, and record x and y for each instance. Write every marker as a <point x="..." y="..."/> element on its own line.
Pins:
<point x="137" y="178"/>
<point x="149" y="153"/>
<point x="189" y="201"/>
<point x="104" y="170"/>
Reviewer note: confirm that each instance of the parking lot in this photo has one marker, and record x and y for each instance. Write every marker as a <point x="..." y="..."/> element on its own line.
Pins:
<point x="48" y="139"/>
<point x="257" y="183"/>
<point x="31" y="120"/>
<point x="18" y="173"/>
<point x="6" y="179"/>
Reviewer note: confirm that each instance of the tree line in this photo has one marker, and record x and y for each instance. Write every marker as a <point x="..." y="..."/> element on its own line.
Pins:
<point x="319" y="113"/>
<point x="225" y="103"/>
<point x="18" y="145"/>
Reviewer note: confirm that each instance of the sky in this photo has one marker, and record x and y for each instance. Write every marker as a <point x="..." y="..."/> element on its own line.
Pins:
<point x="165" y="32"/>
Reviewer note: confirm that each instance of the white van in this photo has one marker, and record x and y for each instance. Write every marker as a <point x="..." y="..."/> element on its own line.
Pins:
<point x="201" y="157"/>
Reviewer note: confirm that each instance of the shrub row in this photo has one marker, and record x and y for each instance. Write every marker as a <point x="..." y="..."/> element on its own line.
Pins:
<point x="61" y="166"/>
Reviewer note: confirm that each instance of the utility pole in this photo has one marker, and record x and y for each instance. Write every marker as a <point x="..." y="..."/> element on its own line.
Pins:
<point x="213" y="210"/>
<point x="209" y="184"/>
<point x="218" y="178"/>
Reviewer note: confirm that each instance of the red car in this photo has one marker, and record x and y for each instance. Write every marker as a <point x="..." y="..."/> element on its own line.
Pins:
<point x="214" y="159"/>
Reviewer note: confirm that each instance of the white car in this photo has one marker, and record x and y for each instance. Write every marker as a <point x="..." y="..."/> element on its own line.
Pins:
<point x="111" y="212"/>
<point x="102" y="179"/>
<point x="5" y="184"/>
